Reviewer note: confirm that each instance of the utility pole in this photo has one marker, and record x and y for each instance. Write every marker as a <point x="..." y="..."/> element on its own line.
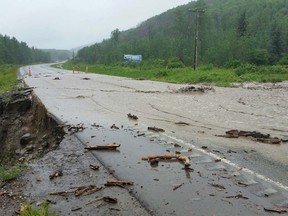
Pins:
<point x="196" y="36"/>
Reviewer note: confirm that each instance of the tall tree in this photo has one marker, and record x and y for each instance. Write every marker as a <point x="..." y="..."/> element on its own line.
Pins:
<point x="276" y="44"/>
<point x="242" y="25"/>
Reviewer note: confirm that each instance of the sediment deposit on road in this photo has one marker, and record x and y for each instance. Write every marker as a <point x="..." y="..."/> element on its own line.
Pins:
<point x="232" y="174"/>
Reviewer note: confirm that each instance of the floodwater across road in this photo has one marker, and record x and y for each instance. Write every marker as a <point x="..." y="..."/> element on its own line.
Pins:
<point x="237" y="176"/>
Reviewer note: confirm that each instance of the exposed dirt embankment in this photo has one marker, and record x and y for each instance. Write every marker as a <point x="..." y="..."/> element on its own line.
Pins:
<point x="26" y="130"/>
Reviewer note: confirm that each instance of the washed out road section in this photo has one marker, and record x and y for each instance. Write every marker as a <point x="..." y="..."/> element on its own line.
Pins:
<point x="168" y="188"/>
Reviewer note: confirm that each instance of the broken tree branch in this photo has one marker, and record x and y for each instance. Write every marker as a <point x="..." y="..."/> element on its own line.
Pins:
<point x="4" y="193"/>
<point x="118" y="183"/>
<point x="103" y="147"/>
<point x="182" y="158"/>
<point x="155" y="129"/>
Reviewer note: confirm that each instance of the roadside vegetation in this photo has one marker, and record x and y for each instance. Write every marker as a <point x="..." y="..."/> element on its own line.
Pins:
<point x="10" y="173"/>
<point x="43" y="210"/>
<point x="175" y="72"/>
<point x="8" y="77"/>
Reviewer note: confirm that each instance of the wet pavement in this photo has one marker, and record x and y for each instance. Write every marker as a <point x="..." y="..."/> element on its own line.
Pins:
<point x="235" y="177"/>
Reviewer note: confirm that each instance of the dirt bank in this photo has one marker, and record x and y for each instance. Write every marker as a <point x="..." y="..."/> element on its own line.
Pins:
<point x="26" y="130"/>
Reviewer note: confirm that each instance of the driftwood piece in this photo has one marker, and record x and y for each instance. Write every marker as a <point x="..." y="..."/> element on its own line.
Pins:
<point x="133" y="117"/>
<point x="276" y="209"/>
<point x="94" y="167"/>
<point x="182" y="158"/>
<point x="61" y="193"/>
<point x="182" y="123"/>
<point x="56" y="174"/>
<point x="103" y="147"/>
<point x="76" y="128"/>
<point x="220" y="187"/>
<point x="82" y="190"/>
<point x="118" y="183"/>
<point x="155" y="129"/>
<point x="254" y="135"/>
<point x="106" y="199"/>
<point x="269" y="140"/>
<point x="178" y="186"/>
<point x="114" y="127"/>
<point x="86" y="190"/>
<point x="4" y="193"/>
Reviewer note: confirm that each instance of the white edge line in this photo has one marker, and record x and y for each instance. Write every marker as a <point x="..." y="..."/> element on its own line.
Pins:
<point x="262" y="177"/>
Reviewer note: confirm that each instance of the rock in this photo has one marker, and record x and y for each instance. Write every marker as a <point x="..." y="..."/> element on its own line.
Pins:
<point x="45" y="145"/>
<point x="20" y="152"/>
<point x="25" y="139"/>
<point x="20" y="105"/>
<point x="285" y="139"/>
<point x="29" y="148"/>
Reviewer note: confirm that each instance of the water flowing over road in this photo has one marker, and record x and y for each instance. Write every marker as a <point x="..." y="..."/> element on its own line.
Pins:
<point x="227" y="176"/>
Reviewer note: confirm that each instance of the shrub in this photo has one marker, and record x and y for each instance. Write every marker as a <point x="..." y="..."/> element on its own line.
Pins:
<point x="283" y="60"/>
<point x="260" y="57"/>
<point x="233" y="64"/>
<point x="161" y="74"/>
<point x="175" y="63"/>
<point x="245" y="68"/>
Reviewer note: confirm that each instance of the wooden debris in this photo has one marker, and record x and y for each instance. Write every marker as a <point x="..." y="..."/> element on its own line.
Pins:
<point x="82" y="190"/>
<point x="76" y="128"/>
<point x="114" y="127"/>
<point x="56" y="174"/>
<point x="61" y="193"/>
<point x="133" y="117"/>
<point x="86" y="190"/>
<point x="118" y="183"/>
<point x="155" y="129"/>
<point x="269" y="140"/>
<point x="182" y="123"/>
<point x="106" y="199"/>
<point x="76" y="209"/>
<point x="182" y="158"/>
<point x="96" y="125"/>
<point x="103" y="147"/>
<point x="110" y="199"/>
<point x="238" y="196"/>
<point x="221" y="187"/>
<point x="254" y="135"/>
<point x="178" y="186"/>
<point x="4" y="193"/>
<point x="276" y="209"/>
<point x="94" y="167"/>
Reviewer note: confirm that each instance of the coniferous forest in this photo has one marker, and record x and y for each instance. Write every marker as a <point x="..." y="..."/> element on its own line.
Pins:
<point x="14" y="52"/>
<point x="230" y="32"/>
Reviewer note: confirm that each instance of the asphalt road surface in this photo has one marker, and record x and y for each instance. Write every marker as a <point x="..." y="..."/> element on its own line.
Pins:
<point x="237" y="176"/>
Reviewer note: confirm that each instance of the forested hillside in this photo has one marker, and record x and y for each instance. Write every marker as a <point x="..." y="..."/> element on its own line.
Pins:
<point x="230" y="32"/>
<point x="14" y="52"/>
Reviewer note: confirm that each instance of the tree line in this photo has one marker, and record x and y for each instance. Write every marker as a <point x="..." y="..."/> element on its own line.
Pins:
<point x="230" y="32"/>
<point x="14" y="52"/>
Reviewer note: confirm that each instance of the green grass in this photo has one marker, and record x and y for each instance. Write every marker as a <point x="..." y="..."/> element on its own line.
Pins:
<point x="8" y="77"/>
<point x="204" y="74"/>
<point x="11" y="173"/>
<point x="28" y="210"/>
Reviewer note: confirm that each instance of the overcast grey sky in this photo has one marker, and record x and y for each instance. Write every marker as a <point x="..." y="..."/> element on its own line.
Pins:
<point x="66" y="24"/>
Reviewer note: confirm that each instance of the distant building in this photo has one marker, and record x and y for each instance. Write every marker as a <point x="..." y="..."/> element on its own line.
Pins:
<point x="132" y="58"/>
